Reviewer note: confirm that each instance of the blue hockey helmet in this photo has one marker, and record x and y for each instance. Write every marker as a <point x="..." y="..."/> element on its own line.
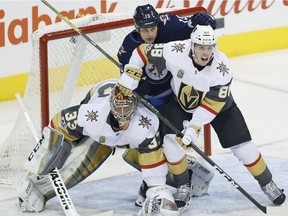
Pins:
<point x="146" y="16"/>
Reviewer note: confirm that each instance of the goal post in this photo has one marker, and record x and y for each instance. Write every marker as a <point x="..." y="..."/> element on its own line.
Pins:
<point x="64" y="68"/>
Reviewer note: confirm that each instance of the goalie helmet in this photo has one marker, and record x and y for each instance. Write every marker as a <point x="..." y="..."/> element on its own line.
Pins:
<point x="122" y="107"/>
<point x="146" y="16"/>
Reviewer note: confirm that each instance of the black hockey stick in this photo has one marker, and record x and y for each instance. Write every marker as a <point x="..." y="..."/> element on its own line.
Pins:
<point x="167" y="122"/>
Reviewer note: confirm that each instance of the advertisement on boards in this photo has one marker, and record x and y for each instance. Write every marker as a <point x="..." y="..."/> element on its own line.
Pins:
<point x="16" y="26"/>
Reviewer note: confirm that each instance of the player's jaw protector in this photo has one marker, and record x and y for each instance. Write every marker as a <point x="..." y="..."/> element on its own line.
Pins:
<point x="122" y="107"/>
<point x="204" y="37"/>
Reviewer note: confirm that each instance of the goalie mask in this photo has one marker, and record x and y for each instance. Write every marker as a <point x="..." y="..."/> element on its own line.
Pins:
<point x="203" y="35"/>
<point x="122" y="107"/>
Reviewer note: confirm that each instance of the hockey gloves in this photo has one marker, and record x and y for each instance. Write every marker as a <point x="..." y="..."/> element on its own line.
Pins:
<point x="203" y="19"/>
<point x="129" y="80"/>
<point x="190" y="135"/>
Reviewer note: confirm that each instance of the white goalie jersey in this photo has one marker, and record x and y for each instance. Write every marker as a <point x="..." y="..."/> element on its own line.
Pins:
<point x="93" y="118"/>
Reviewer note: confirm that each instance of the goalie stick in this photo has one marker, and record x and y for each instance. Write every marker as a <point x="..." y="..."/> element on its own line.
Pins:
<point x="264" y="209"/>
<point x="54" y="176"/>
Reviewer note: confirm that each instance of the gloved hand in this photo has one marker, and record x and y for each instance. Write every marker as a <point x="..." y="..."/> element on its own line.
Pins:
<point x="125" y="91"/>
<point x="178" y="139"/>
<point x="190" y="135"/>
<point x="133" y="71"/>
<point x="201" y="18"/>
<point x="129" y="80"/>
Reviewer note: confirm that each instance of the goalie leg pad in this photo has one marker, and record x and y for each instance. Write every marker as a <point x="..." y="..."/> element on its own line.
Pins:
<point x="202" y="175"/>
<point x="30" y="198"/>
<point x="85" y="158"/>
<point x="57" y="158"/>
<point x="45" y="152"/>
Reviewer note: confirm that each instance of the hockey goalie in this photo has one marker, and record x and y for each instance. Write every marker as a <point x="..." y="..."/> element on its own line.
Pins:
<point x="80" y="138"/>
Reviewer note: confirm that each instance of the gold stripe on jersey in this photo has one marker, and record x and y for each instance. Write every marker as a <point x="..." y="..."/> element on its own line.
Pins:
<point x="152" y="159"/>
<point x="212" y="106"/>
<point x="258" y="167"/>
<point x="178" y="167"/>
<point x="55" y="123"/>
<point x="142" y="53"/>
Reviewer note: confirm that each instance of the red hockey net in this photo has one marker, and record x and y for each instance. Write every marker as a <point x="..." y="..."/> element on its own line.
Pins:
<point x="64" y="67"/>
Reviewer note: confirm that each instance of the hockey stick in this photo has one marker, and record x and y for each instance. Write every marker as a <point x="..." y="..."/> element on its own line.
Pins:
<point x="167" y="122"/>
<point x="54" y="175"/>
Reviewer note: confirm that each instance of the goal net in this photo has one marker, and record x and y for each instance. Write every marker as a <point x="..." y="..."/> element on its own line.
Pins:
<point x="64" y="68"/>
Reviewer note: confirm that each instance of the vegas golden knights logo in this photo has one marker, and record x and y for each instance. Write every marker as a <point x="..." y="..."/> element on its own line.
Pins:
<point x="188" y="97"/>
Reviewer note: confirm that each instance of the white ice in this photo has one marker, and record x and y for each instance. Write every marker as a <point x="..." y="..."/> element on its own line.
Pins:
<point x="260" y="89"/>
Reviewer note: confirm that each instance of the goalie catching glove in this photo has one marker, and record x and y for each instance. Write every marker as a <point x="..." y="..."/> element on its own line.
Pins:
<point x="129" y="80"/>
<point x="159" y="201"/>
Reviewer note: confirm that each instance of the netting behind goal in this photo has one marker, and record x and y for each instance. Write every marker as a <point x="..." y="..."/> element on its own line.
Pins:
<point x="64" y="67"/>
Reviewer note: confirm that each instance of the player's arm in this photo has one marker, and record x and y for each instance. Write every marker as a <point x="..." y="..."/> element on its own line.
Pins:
<point x="66" y="123"/>
<point x="142" y="55"/>
<point x="129" y="80"/>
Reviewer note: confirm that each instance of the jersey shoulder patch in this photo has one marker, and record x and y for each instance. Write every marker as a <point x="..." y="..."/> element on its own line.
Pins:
<point x="221" y="70"/>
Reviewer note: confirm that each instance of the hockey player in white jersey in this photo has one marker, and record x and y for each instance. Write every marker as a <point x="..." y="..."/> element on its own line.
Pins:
<point x="91" y="130"/>
<point x="201" y="84"/>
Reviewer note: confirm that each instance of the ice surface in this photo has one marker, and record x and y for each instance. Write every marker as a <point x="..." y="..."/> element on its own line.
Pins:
<point x="260" y="90"/>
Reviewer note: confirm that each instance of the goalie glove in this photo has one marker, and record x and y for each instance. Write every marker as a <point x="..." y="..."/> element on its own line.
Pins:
<point x="159" y="201"/>
<point x="129" y="80"/>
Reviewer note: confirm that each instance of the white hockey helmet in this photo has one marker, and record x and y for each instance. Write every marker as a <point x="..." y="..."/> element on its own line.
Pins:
<point x="122" y="107"/>
<point x="204" y="35"/>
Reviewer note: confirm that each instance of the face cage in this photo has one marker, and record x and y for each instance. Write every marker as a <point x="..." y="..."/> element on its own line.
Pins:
<point x="120" y="114"/>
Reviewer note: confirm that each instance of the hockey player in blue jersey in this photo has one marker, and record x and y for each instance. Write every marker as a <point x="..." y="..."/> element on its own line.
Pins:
<point x="151" y="27"/>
